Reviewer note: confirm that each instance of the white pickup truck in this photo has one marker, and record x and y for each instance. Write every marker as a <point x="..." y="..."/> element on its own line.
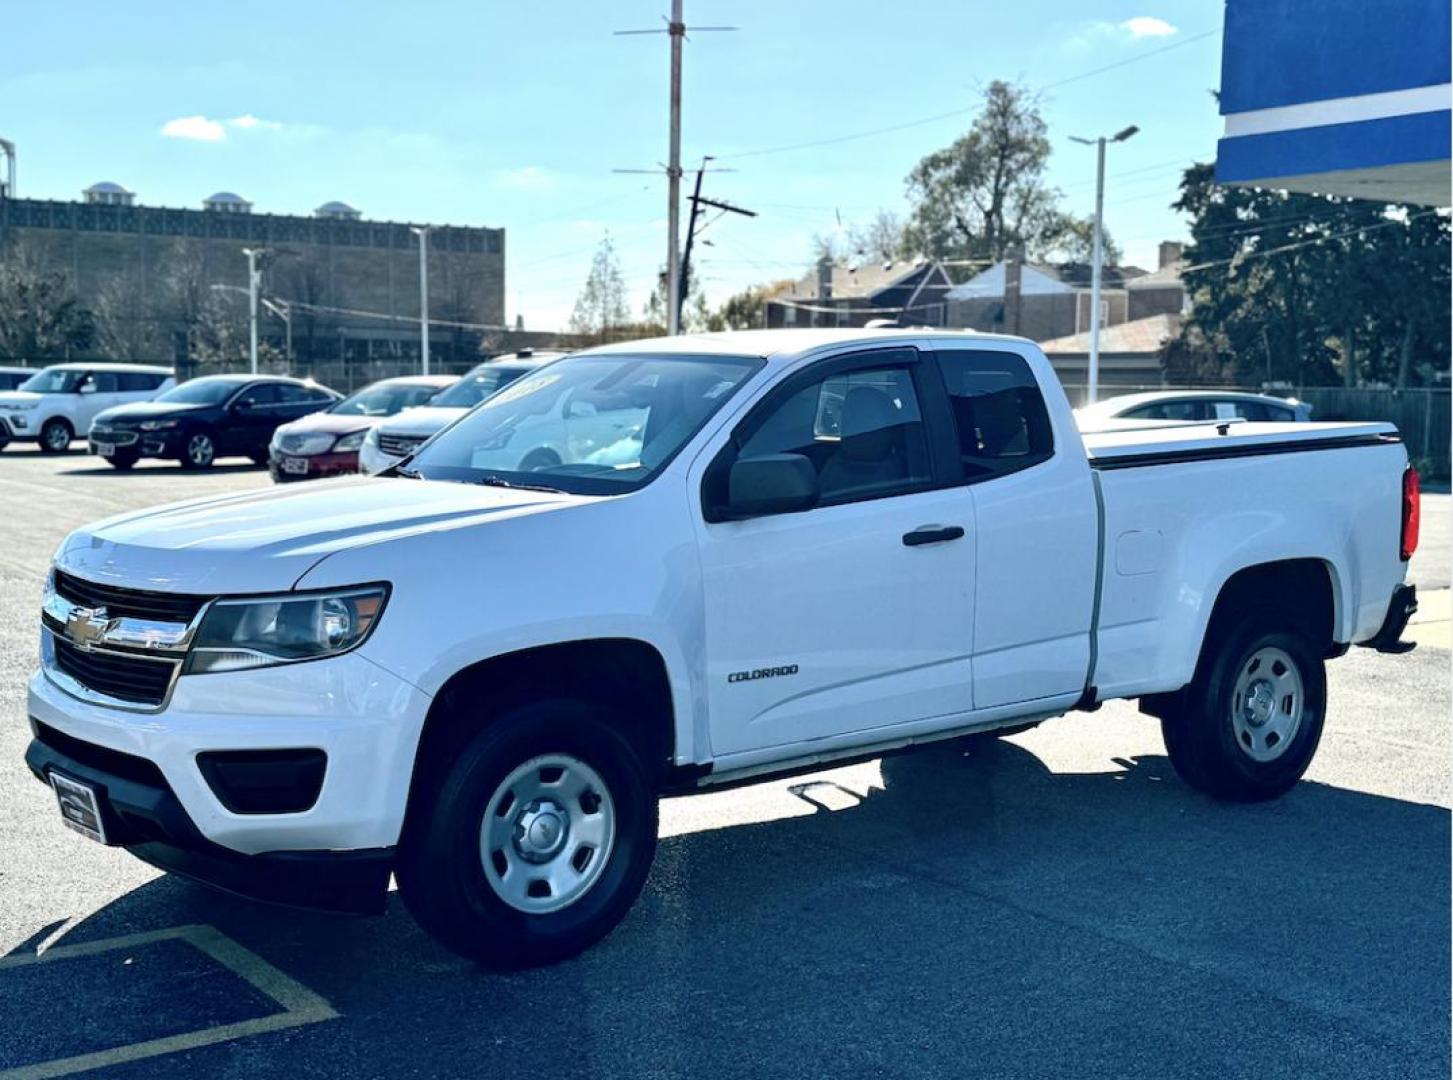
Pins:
<point x="800" y="547"/>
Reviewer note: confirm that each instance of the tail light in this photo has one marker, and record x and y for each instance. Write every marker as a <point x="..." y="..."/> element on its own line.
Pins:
<point x="1412" y="512"/>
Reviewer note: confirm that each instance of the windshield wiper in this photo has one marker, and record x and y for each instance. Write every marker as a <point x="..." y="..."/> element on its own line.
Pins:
<point x="499" y="481"/>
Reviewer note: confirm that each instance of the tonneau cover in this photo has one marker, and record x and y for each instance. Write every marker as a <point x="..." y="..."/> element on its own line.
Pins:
<point x="1192" y="441"/>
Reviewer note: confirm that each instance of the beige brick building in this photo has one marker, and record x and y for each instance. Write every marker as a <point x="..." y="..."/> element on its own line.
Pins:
<point x="351" y="286"/>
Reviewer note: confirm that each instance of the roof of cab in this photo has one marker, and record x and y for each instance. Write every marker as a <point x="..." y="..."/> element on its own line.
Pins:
<point x="786" y="344"/>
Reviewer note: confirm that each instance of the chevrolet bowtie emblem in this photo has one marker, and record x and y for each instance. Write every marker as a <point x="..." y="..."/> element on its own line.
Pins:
<point x="85" y="626"/>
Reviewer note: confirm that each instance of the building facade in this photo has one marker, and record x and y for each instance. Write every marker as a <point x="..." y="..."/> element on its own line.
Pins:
<point x="335" y="286"/>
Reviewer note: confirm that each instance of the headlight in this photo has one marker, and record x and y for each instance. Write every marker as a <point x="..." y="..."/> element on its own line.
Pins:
<point x="157" y="425"/>
<point x="349" y="442"/>
<point x="236" y="635"/>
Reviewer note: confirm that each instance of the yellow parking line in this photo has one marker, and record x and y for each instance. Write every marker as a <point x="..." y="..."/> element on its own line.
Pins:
<point x="299" y="1004"/>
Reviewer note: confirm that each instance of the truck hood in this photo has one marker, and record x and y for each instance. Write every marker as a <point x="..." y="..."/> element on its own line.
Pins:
<point x="265" y="541"/>
<point x="421" y="420"/>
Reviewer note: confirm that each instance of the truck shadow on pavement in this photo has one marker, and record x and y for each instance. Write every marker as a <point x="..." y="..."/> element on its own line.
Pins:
<point x="977" y="914"/>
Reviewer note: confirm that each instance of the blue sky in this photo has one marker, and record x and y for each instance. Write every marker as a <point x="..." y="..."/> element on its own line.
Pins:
<point x="514" y="115"/>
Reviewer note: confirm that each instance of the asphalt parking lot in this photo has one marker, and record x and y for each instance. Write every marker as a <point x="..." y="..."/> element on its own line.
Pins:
<point x="1059" y="905"/>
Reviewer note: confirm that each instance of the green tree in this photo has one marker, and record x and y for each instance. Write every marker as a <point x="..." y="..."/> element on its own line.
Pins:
<point x="747" y="310"/>
<point x="601" y="306"/>
<point x="986" y="193"/>
<point x="1310" y="289"/>
<point x="40" y="316"/>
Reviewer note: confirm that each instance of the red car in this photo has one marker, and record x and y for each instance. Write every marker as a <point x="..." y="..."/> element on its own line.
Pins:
<point x="326" y="443"/>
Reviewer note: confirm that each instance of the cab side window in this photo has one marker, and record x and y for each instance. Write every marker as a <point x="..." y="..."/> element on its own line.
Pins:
<point x="861" y="430"/>
<point x="100" y="382"/>
<point x="130" y="382"/>
<point x="998" y="410"/>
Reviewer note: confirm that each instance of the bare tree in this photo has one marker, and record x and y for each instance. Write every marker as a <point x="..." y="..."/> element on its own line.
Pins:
<point x="127" y="328"/>
<point x="40" y="316"/>
<point x="601" y="305"/>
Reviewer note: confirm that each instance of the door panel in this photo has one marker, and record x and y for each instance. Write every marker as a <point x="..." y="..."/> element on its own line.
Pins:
<point x="861" y="630"/>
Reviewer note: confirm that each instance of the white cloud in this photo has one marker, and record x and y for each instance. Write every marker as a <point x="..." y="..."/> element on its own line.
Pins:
<point x="198" y="128"/>
<point x="1096" y="34"/>
<point x="247" y="121"/>
<point x="526" y="178"/>
<point x="204" y="129"/>
<point x="1147" y="26"/>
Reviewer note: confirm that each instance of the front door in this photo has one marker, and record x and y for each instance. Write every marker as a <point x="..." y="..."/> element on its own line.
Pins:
<point x="854" y="615"/>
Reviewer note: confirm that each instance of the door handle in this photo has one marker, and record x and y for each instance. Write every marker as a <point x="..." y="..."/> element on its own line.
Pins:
<point x="932" y="534"/>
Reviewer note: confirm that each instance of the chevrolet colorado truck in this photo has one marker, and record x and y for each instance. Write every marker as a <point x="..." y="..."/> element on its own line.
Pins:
<point x="764" y="551"/>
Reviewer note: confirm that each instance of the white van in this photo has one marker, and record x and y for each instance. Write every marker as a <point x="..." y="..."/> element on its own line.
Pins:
<point x="58" y="403"/>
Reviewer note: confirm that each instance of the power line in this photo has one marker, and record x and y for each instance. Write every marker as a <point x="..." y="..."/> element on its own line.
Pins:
<point x="1238" y="259"/>
<point x="907" y="124"/>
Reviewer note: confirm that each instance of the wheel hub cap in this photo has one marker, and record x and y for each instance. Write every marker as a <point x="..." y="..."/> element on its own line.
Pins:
<point x="1267" y="704"/>
<point x="541" y="829"/>
<point x="547" y="834"/>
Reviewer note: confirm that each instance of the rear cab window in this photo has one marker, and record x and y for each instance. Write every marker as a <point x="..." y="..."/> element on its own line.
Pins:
<point x="999" y="415"/>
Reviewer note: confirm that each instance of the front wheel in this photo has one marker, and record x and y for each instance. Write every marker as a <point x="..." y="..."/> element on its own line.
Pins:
<point x="1246" y="728"/>
<point x="122" y="461"/>
<point x="199" y="451"/>
<point x="531" y="843"/>
<point x="56" y="436"/>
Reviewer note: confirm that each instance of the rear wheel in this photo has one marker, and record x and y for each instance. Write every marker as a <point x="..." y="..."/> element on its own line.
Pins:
<point x="533" y="841"/>
<point x="1246" y="728"/>
<point x="55" y="436"/>
<point x="199" y="451"/>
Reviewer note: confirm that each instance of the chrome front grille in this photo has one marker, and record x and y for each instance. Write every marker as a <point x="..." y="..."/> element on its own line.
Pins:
<point x="112" y="646"/>
<point x="399" y="445"/>
<point x="113" y="436"/>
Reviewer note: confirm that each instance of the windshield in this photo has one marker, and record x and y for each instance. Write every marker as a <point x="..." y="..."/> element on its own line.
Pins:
<point x="476" y="386"/>
<point x="52" y="381"/>
<point x="384" y="399"/>
<point x="201" y="392"/>
<point x="590" y="425"/>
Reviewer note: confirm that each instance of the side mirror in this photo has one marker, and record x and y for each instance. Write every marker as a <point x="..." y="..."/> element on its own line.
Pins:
<point x="771" y="484"/>
<point x="86" y="388"/>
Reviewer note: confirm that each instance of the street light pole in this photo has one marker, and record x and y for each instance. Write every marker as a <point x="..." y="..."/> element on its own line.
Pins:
<point x="252" y="282"/>
<point x="422" y="232"/>
<point x="1098" y="257"/>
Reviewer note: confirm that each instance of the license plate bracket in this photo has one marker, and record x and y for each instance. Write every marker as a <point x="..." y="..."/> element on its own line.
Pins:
<point x="295" y="466"/>
<point x="105" y="449"/>
<point x="80" y="808"/>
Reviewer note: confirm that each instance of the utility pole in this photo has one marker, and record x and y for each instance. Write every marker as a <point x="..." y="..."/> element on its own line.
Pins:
<point x="697" y="202"/>
<point x="673" y="177"/>
<point x="284" y="311"/>
<point x="1093" y="379"/>
<point x="676" y="28"/>
<point x="422" y="232"/>
<point x="254" y="277"/>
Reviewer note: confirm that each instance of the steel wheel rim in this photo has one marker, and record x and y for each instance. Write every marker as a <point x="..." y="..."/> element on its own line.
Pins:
<point x="199" y="449"/>
<point x="547" y="835"/>
<point x="57" y="438"/>
<point x="1267" y="704"/>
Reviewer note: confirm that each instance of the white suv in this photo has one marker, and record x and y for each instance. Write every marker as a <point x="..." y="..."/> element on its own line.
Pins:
<point x="58" y="403"/>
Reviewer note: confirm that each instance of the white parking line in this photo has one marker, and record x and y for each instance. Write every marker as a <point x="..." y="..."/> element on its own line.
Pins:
<point x="299" y="1004"/>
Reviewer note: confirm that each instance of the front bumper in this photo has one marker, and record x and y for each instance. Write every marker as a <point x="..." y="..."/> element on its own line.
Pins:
<point x="319" y="465"/>
<point x="365" y="719"/>
<point x="17" y="425"/>
<point x="142" y="814"/>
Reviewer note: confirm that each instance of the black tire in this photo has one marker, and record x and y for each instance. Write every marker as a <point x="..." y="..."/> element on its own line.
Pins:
<point x="441" y="871"/>
<point x="199" y="450"/>
<point x="4" y="438"/>
<point x="1201" y="730"/>
<point x="122" y="461"/>
<point x="56" y="436"/>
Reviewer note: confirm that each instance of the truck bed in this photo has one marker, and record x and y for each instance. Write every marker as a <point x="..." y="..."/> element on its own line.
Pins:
<point x="1183" y="506"/>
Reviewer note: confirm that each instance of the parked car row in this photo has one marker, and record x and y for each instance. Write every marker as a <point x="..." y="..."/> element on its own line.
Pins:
<point x="297" y="427"/>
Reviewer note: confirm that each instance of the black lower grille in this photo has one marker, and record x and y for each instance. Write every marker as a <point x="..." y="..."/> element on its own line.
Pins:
<point x="136" y="679"/>
<point x="113" y="436"/>
<point x="132" y="603"/>
<point x="101" y="758"/>
<point x="399" y="445"/>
